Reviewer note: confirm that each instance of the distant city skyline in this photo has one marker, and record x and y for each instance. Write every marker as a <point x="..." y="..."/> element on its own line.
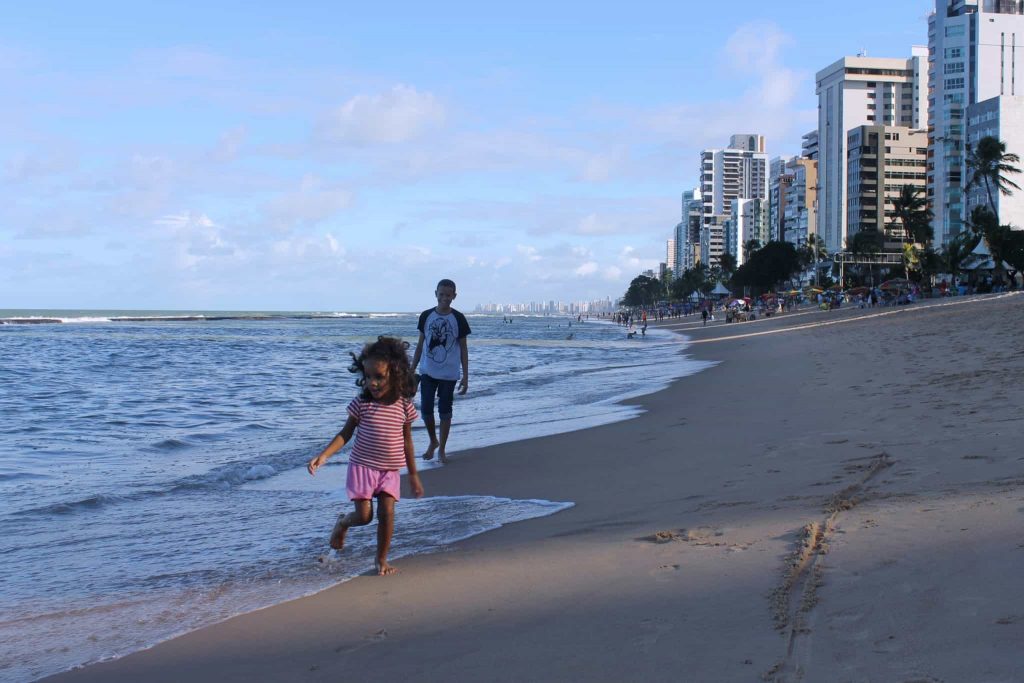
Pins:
<point x="551" y="307"/>
<point x="323" y="157"/>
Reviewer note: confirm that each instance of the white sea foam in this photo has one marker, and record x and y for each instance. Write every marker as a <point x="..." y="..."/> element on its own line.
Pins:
<point x="218" y="517"/>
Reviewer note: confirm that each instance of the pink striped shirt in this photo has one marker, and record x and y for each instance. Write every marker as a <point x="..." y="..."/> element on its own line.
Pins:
<point x="380" y="442"/>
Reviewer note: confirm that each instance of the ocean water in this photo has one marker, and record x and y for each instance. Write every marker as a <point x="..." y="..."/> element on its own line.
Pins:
<point x="152" y="464"/>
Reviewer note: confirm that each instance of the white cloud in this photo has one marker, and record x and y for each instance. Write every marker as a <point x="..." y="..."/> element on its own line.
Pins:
<point x="752" y="58"/>
<point x="592" y="224"/>
<point x="530" y="253"/>
<point x="398" y="115"/>
<point x="196" y="238"/>
<point x="310" y="204"/>
<point x="229" y="144"/>
<point x="22" y="166"/>
<point x="588" y="268"/>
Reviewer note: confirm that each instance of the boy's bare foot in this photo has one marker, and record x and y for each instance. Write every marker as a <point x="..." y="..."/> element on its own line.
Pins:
<point x="384" y="569"/>
<point x="442" y="457"/>
<point x="429" y="453"/>
<point x="338" y="533"/>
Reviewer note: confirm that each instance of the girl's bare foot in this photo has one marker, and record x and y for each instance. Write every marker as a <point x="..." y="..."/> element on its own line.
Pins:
<point x="442" y="457"/>
<point x="338" y="533"/>
<point x="384" y="569"/>
<point x="429" y="453"/>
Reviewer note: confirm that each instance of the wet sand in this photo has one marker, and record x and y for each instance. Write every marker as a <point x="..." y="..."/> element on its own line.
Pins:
<point x="841" y="498"/>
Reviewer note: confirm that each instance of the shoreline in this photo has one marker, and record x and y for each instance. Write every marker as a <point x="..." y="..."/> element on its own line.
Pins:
<point x="554" y="598"/>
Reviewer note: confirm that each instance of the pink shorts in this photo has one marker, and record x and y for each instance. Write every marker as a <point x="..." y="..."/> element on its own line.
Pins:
<point x="364" y="483"/>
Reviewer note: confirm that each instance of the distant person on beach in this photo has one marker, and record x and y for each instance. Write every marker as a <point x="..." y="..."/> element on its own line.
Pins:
<point x="440" y="352"/>
<point x="381" y="417"/>
<point x="704" y="316"/>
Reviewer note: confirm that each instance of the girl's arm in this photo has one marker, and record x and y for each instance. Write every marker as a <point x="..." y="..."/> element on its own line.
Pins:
<point x="342" y="437"/>
<point x="410" y="461"/>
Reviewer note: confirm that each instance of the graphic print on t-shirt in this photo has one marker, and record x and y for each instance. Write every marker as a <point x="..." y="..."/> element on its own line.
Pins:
<point x="441" y="338"/>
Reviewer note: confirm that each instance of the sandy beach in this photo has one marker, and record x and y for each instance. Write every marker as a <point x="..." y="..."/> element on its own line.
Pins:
<point x="841" y="498"/>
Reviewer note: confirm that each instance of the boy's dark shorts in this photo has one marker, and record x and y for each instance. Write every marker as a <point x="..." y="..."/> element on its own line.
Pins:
<point x="445" y="391"/>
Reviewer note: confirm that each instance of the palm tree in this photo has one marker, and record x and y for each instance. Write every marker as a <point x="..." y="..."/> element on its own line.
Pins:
<point x="956" y="251"/>
<point x="914" y="219"/>
<point x="913" y="216"/>
<point x="989" y="163"/>
<point x="865" y="243"/>
<point x="727" y="263"/>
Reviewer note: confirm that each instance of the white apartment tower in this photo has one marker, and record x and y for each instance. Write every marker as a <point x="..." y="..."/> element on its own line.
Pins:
<point x="972" y="47"/>
<point x="739" y="171"/>
<point x="858" y="91"/>
<point x="688" y="232"/>
<point x="748" y="221"/>
<point x="1001" y="118"/>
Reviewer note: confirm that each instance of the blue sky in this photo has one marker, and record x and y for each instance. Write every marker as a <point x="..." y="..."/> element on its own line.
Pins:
<point x="344" y="156"/>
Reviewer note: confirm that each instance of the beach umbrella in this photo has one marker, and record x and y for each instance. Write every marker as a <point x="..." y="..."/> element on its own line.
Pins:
<point x="858" y="290"/>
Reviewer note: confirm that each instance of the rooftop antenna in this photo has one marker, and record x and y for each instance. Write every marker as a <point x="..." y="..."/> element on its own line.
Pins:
<point x="862" y="53"/>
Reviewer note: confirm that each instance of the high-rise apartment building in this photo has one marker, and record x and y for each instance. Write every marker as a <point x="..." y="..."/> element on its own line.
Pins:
<point x="1001" y="118"/>
<point x="780" y="178"/>
<point x="688" y="232"/>
<point x="799" y="220"/>
<point x="809" y="145"/>
<point x="857" y="91"/>
<point x="748" y="221"/>
<point x="739" y="171"/>
<point x="882" y="160"/>
<point x="670" y="257"/>
<point x="712" y="238"/>
<point x="972" y="49"/>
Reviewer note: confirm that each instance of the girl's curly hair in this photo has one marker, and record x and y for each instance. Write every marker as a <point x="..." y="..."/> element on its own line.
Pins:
<point x="394" y="352"/>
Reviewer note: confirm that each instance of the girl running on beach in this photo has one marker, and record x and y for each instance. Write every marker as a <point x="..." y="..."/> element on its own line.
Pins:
<point x="383" y="414"/>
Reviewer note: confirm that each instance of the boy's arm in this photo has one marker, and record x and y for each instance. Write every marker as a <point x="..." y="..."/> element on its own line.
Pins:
<point x="410" y="461"/>
<point x="340" y="439"/>
<point x="418" y="353"/>
<point x="464" y="353"/>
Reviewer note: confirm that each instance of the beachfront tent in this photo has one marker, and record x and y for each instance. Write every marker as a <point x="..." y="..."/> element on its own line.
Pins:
<point x="980" y="260"/>
<point x="720" y="290"/>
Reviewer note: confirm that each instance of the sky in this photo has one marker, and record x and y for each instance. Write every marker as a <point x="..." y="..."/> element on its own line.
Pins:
<point x="339" y="156"/>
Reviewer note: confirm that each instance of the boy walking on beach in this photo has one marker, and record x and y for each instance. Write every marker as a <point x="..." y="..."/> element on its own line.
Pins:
<point x="440" y="352"/>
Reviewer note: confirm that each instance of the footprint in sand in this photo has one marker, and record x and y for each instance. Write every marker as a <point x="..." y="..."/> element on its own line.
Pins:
<point x="650" y="630"/>
<point x="666" y="572"/>
<point x="368" y="639"/>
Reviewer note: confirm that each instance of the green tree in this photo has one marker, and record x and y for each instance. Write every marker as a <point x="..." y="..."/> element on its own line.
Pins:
<point x="771" y="265"/>
<point x="865" y="243"/>
<point x="643" y="291"/>
<point x="689" y="282"/>
<point x="912" y="215"/>
<point x="812" y="252"/>
<point x="989" y="165"/>
<point x="1014" y="252"/>
<point x="727" y="265"/>
<point x="957" y="250"/>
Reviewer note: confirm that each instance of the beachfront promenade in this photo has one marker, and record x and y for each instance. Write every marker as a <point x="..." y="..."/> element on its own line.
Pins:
<point x="838" y="499"/>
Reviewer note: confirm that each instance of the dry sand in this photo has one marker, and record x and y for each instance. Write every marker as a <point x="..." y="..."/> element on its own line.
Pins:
<point x="838" y="502"/>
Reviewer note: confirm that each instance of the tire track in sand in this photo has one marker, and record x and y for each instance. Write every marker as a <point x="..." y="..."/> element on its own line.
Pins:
<point x="793" y="600"/>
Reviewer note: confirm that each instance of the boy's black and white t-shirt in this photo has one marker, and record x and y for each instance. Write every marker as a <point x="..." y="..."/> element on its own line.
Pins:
<point x="441" y="334"/>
